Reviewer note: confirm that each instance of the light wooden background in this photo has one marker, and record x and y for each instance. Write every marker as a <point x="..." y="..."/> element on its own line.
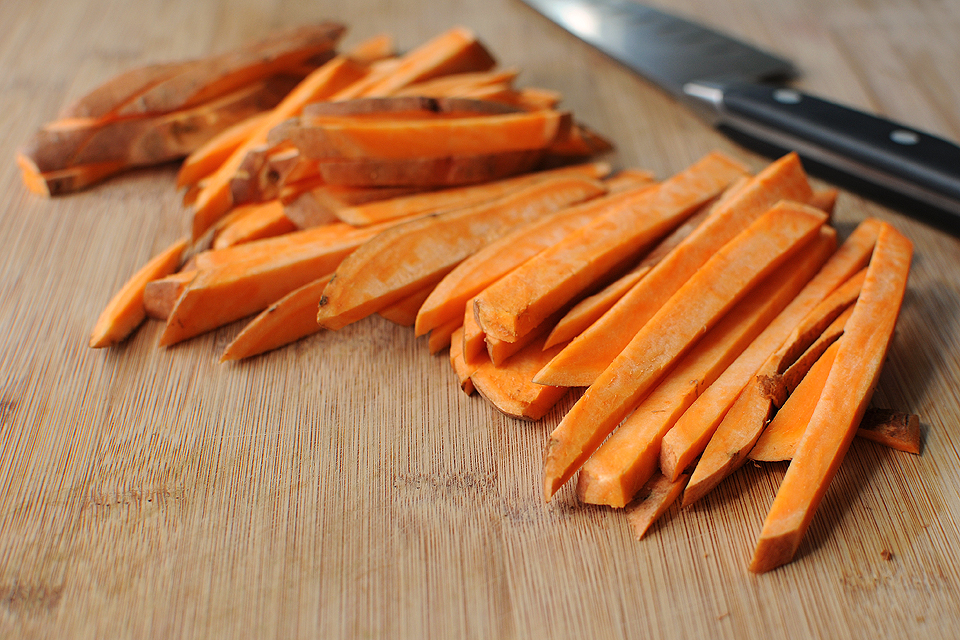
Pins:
<point x="344" y="487"/>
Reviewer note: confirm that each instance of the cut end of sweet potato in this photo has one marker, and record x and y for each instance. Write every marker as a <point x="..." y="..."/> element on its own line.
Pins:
<point x="774" y="550"/>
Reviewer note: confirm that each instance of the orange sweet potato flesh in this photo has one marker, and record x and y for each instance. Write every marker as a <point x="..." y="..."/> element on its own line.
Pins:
<point x="501" y="257"/>
<point x="321" y="204"/>
<point x="590" y="309"/>
<point x="653" y="500"/>
<point x="842" y="404"/>
<point x="440" y="337"/>
<point x="510" y="387"/>
<point x="688" y="437"/>
<point x="716" y="287"/>
<point x="51" y="183"/>
<point x="893" y="429"/>
<point x="287" y="320"/>
<point x="125" y="311"/>
<point x="592" y="351"/>
<point x="244" y="279"/>
<point x="212" y="77"/>
<point x="404" y="311"/>
<point x="160" y="295"/>
<point x="455" y="198"/>
<point x="422" y="251"/>
<point x="215" y="199"/>
<point x="409" y="138"/>
<point x="737" y="433"/>
<point x="205" y="159"/>
<point x="462" y="370"/>
<point x="521" y="301"/>
<point x="631" y="455"/>
<point x="456" y="50"/>
<point x="263" y="220"/>
<point x="134" y="142"/>
<point x="780" y="437"/>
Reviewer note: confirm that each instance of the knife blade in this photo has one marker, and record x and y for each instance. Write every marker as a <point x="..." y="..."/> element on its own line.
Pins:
<point x="740" y="89"/>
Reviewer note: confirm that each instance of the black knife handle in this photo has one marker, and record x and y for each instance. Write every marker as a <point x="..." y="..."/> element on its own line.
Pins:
<point x="873" y="151"/>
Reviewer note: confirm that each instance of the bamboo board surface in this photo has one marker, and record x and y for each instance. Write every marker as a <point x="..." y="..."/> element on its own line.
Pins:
<point x="344" y="487"/>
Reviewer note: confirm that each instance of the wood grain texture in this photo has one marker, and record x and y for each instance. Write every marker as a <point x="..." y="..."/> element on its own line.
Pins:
<point x="344" y="487"/>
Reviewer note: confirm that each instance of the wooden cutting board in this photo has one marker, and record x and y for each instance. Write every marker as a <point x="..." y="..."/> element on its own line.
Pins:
<point x="344" y="486"/>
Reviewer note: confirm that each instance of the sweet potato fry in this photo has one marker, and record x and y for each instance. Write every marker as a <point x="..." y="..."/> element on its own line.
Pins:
<point x="52" y="183"/>
<point x="205" y="159"/>
<point x="404" y="311"/>
<point x="333" y="138"/>
<point x="125" y="310"/>
<point x="590" y="309"/>
<point x="500" y="257"/>
<point x="518" y="303"/>
<point x="796" y="371"/>
<point x="209" y="78"/>
<point x="825" y="199"/>
<point x="630" y="456"/>
<point x="457" y="84"/>
<point x="322" y="204"/>
<point x="289" y="319"/>
<point x="160" y="296"/>
<point x="429" y="173"/>
<point x="134" y="142"/>
<point x="510" y="387"/>
<point x="363" y="213"/>
<point x="779" y="439"/>
<point x="736" y="434"/>
<point x="244" y="279"/>
<point x="214" y="199"/>
<point x="456" y="50"/>
<point x="893" y="429"/>
<point x="842" y="404"/>
<point x="262" y="220"/>
<point x="473" y="349"/>
<point x="422" y="251"/>
<point x="440" y="337"/>
<point x="591" y="352"/>
<point x="697" y="306"/>
<point x="462" y="370"/>
<point x="688" y="437"/>
<point x="653" y="500"/>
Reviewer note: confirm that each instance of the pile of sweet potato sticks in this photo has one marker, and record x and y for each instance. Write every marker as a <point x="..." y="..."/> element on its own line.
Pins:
<point x="709" y="318"/>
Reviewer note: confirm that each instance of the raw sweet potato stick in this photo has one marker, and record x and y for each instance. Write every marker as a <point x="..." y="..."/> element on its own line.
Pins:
<point x="502" y="256"/>
<point x="631" y="455"/>
<point x="262" y="220"/>
<point x="214" y="198"/>
<point x="579" y="364"/>
<point x="736" y="434"/>
<point x="853" y="376"/>
<point x="421" y="252"/>
<point x="521" y="301"/>
<point x="590" y="309"/>
<point x="289" y="319"/>
<point x="125" y="310"/>
<point x="455" y="197"/>
<point x="726" y="278"/>
<point x="687" y="438"/>
<point x="205" y="159"/>
<point x="780" y="437"/>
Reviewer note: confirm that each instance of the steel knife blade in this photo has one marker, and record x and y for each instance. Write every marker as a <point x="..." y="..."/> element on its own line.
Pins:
<point x="740" y="89"/>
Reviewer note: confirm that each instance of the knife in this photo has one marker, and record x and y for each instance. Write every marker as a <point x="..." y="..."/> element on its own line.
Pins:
<point x="739" y="89"/>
